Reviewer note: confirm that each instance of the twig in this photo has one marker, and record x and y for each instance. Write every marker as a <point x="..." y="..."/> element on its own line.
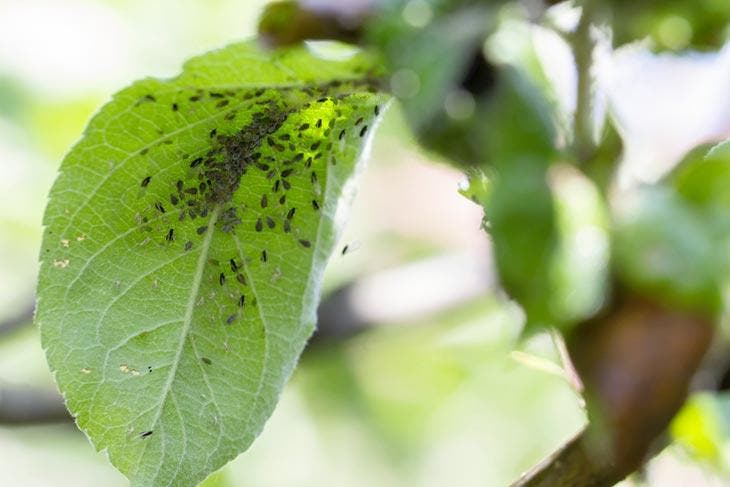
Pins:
<point x="583" y="45"/>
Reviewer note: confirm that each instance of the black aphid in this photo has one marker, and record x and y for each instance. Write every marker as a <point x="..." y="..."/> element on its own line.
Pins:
<point x="174" y="200"/>
<point x="290" y="213"/>
<point x="318" y="124"/>
<point x="342" y="135"/>
<point x="287" y="226"/>
<point x="313" y="177"/>
<point x="206" y="360"/>
<point x="215" y="95"/>
<point x="194" y="98"/>
<point x="305" y="243"/>
<point x="241" y="300"/>
<point x="230" y="319"/>
<point x="201" y="230"/>
<point x="241" y="278"/>
<point x="264" y="256"/>
<point x="170" y="235"/>
<point x="282" y="200"/>
<point x="179" y="186"/>
<point x="286" y="184"/>
<point x="222" y="279"/>
<point x="196" y="162"/>
<point x="276" y="186"/>
<point x="304" y="127"/>
<point x="146" y="434"/>
<point x="322" y="100"/>
<point x="270" y="222"/>
<point x="159" y="207"/>
<point x="264" y="201"/>
<point x="284" y="137"/>
<point x="315" y="205"/>
<point x="298" y="157"/>
<point x="286" y="173"/>
<point x="344" y="249"/>
<point x="234" y="266"/>
<point x="213" y="133"/>
<point x="174" y="107"/>
<point x="222" y="103"/>
<point x="144" y="151"/>
<point x="192" y="191"/>
<point x="363" y="131"/>
<point x="188" y="245"/>
<point x="259" y="225"/>
<point x="146" y="181"/>
<point x="359" y="121"/>
<point x="376" y="109"/>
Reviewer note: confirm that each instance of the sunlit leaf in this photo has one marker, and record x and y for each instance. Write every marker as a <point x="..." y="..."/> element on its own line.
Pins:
<point x="185" y="241"/>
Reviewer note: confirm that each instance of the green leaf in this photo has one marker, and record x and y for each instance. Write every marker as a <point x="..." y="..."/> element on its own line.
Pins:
<point x="185" y="242"/>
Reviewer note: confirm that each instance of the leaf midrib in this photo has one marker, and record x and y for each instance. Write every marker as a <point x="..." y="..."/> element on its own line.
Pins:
<point x="187" y="321"/>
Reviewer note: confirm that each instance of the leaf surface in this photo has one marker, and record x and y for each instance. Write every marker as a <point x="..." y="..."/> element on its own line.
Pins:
<point x="186" y="236"/>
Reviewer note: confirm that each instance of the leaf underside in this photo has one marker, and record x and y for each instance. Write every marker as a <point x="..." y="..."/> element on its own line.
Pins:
<point x="185" y="241"/>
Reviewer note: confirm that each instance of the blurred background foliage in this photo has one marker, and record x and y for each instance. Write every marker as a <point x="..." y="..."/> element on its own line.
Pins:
<point x="441" y="389"/>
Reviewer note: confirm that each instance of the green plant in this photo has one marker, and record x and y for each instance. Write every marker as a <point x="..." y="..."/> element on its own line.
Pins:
<point x="187" y="232"/>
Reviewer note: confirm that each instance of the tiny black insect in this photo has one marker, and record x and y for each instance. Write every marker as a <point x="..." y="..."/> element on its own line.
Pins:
<point x="276" y="185"/>
<point x="305" y="243"/>
<point x="174" y="107"/>
<point x="286" y="184"/>
<point x="304" y="126"/>
<point x="359" y="121"/>
<point x="170" y="235"/>
<point x="146" y="181"/>
<point x="284" y="137"/>
<point x="264" y="201"/>
<point x="234" y="266"/>
<point x="146" y="434"/>
<point x="222" y="279"/>
<point x="241" y="278"/>
<point x="313" y="177"/>
<point x="264" y="257"/>
<point x="290" y="214"/>
<point x="194" y="98"/>
<point x="363" y="131"/>
<point x="342" y="135"/>
<point x="282" y="200"/>
<point x="196" y="162"/>
<point x="286" y="173"/>
<point x="215" y="95"/>
<point x="315" y="146"/>
<point x="270" y="222"/>
<point x="201" y="230"/>
<point x="259" y="225"/>
<point x="318" y="124"/>
<point x="213" y="133"/>
<point x="345" y="249"/>
<point x="376" y="110"/>
<point x="144" y="151"/>
<point x="174" y="200"/>
<point x="287" y="226"/>
<point x="230" y="319"/>
<point x="315" y="205"/>
<point x="241" y="300"/>
<point x="188" y="245"/>
<point x="206" y="360"/>
<point x="222" y="103"/>
<point x="159" y="207"/>
<point x="179" y="186"/>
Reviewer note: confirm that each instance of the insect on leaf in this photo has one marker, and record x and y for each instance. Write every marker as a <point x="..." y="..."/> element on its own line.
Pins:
<point x="186" y="236"/>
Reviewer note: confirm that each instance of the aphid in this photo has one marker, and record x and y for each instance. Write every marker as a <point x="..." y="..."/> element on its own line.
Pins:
<point x="376" y="109"/>
<point x="196" y="162"/>
<point x="287" y="226"/>
<point x="345" y="249"/>
<point x="264" y="257"/>
<point x="270" y="222"/>
<point x="298" y="157"/>
<point x="270" y="174"/>
<point x="304" y="127"/>
<point x="270" y="140"/>
<point x="179" y="186"/>
<point x="206" y="360"/>
<point x="286" y="173"/>
<point x="262" y="166"/>
<point x="230" y="319"/>
<point x="315" y="146"/>
<point x="342" y="135"/>
<point x="174" y="107"/>
<point x="194" y="98"/>
<point x="282" y="200"/>
<point x="284" y="137"/>
<point x="359" y="121"/>
<point x="222" y="279"/>
<point x="159" y="207"/>
<point x="259" y="225"/>
<point x="363" y="131"/>
<point x="241" y="278"/>
<point x="234" y="266"/>
<point x="305" y="243"/>
<point x="146" y="434"/>
<point x="241" y="300"/>
<point x="286" y="184"/>
<point x="313" y="177"/>
<point x="290" y="213"/>
<point x="215" y="95"/>
<point x="276" y="185"/>
<point x="192" y="191"/>
<point x="222" y="103"/>
<point x="170" y="235"/>
<point x="201" y="230"/>
<point x="264" y="201"/>
<point x="193" y="214"/>
<point x="174" y="200"/>
<point x="188" y="245"/>
<point x="322" y="100"/>
<point x="213" y="133"/>
<point x="144" y="151"/>
<point x="315" y="205"/>
<point x="146" y="181"/>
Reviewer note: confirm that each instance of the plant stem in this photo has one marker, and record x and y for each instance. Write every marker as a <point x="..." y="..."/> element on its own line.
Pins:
<point x="583" y="46"/>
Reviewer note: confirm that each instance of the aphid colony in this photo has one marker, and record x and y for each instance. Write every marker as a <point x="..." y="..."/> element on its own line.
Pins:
<point x="294" y="157"/>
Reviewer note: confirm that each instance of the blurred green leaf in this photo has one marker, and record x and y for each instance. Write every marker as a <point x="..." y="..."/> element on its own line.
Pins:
<point x="702" y="427"/>
<point x="185" y="242"/>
